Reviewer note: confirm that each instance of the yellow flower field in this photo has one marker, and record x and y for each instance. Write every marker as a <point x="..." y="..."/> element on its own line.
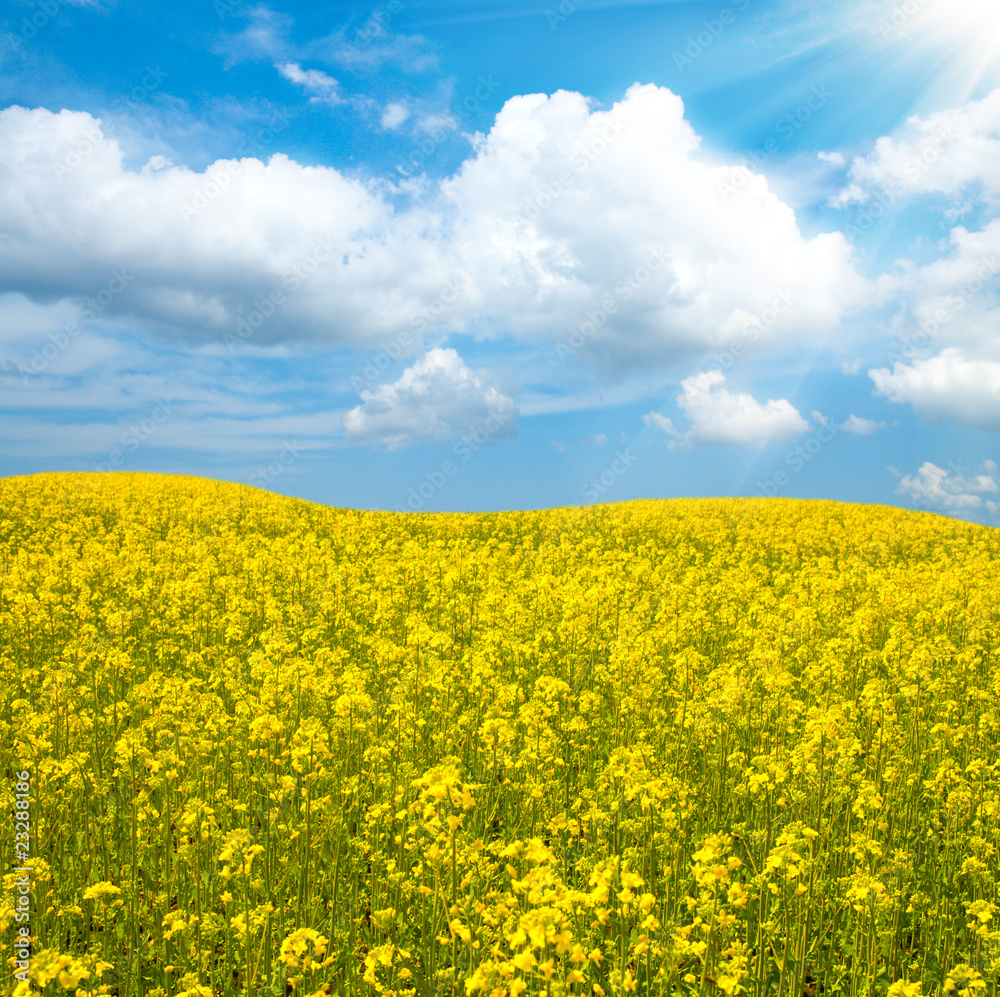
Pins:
<point x="692" y="747"/>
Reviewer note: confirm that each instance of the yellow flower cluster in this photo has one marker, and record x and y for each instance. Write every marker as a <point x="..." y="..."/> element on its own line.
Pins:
<point x="692" y="747"/>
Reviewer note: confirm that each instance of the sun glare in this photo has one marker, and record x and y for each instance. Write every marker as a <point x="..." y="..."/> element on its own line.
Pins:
<point x="965" y="19"/>
<point x="956" y="42"/>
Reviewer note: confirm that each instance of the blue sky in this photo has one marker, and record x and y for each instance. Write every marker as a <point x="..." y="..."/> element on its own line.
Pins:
<point x="440" y="255"/>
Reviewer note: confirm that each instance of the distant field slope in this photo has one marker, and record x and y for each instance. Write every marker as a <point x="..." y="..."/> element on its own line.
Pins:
<point x="692" y="747"/>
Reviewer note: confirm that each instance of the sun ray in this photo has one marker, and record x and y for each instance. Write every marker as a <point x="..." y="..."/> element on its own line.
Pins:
<point x="961" y="36"/>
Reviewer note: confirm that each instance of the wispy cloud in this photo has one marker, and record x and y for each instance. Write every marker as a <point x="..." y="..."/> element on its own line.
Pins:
<point x="320" y="87"/>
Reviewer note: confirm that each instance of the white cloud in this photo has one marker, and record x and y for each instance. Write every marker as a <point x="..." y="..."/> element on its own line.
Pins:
<point x="213" y="246"/>
<point x="562" y="205"/>
<point x="861" y="427"/>
<point x="833" y="158"/>
<point x="851" y="368"/>
<point x="952" y="301"/>
<point x="950" y="491"/>
<point x="411" y="53"/>
<point x="264" y="37"/>
<point x="659" y="421"/>
<point x="25" y="322"/>
<point x="949" y="385"/>
<point x="75" y="395"/>
<point x="599" y="440"/>
<point x="437" y="399"/>
<point x="942" y="153"/>
<point x="720" y="418"/>
<point x="435" y="124"/>
<point x="320" y="87"/>
<point x="393" y="116"/>
<point x="629" y="183"/>
<point x="947" y="311"/>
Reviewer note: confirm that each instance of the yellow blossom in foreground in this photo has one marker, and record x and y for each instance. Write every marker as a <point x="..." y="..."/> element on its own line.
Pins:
<point x="101" y="892"/>
<point x="302" y="948"/>
<point x="642" y="747"/>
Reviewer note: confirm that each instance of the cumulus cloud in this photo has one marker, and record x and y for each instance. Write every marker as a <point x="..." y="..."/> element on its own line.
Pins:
<point x="953" y="300"/>
<point x="949" y="385"/>
<point x="861" y="427"/>
<point x="951" y="491"/>
<point x="721" y="418"/>
<point x="562" y="206"/>
<point x="948" y="321"/>
<point x="947" y="311"/>
<point x="437" y="399"/>
<point x="555" y="216"/>
<point x="942" y="153"/>
<point x="214" y="246"/>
